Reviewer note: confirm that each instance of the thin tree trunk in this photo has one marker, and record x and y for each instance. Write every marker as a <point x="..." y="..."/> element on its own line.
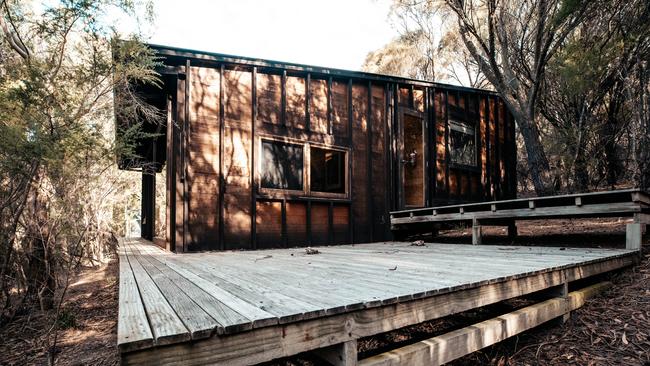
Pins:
<point x="613" y="167"/>
<point x="580" y="173"/>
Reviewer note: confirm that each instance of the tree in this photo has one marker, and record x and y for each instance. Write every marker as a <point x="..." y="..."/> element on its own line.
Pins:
<point x="589" y="92"/>
<point x="401" y="57"/>
<point x="59" y="187"/>
<point x="457" y="65"/>
<point x="513" y="42"/>
<point x="423" y="51"/>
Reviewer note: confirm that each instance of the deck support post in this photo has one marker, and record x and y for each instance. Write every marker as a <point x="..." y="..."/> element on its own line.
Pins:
<point x="148" y="205"/>
<point x="342" y="354"/>
<point x="633" y="236"/>
<point x="634" y="231"/>
<point x="477" y="232"/>
<point x="561" y="291"/>
<point x="435" y="231"/>
<point x="512" y="230"/>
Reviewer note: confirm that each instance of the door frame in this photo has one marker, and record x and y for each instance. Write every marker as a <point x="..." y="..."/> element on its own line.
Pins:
<point x="401" y="112"/>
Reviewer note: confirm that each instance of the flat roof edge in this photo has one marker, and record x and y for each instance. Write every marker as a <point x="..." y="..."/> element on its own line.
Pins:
<point x="169" y="51"/>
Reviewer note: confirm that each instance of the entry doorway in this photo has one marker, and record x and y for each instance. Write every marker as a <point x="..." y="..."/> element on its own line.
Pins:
<point x="412" y="159"/>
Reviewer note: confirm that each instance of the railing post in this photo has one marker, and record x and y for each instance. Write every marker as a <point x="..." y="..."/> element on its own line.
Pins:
<point x="477" y="232"/>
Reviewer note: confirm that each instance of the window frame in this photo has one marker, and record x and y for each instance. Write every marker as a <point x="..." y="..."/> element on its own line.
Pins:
<point x="258" y="172"/>
<point x="461" y="126"/>
<point x="346" y="170"/>
<point x="306" y="169"/>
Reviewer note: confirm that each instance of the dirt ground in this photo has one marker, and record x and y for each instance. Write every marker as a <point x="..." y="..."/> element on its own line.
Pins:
<point x="88" y="325"/>
<point x="613" y="329"/>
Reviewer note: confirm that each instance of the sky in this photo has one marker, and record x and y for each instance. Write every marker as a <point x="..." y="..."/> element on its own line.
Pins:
<point x="331" y="33"/>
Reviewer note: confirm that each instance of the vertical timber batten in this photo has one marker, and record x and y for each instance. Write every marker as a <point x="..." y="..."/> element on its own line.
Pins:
<point x="329" y="106"/>
<point x="396" y="148"/>
<point x="307" y="99"/>
<point x="369" y="124"/>
<point x="497" y="152"/>
<point x="177" y="165"/>
<point x="221" y="134"/>
<point x="388" y="137"/>
<point x="426" y="154"/>
<point x="171" y="172"/>
<point x="348" y="180"/>
<point x="433" y="132"/>
<point x="446" y="145"/>
<point x="488" y="148"/>
<point x="253" y="171"/>
<point x="184" y="159"/>
<point x="283" y="99"/>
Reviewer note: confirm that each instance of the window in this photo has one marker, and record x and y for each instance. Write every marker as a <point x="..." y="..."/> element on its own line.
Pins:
<point x="462" y="143"/>
<point x="327" y="170"/>
<point x="281" y="165"/>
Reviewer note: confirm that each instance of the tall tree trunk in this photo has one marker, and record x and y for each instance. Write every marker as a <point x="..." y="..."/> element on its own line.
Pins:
<point x="613" y="168"/>
<point x="642" y="175"/>
<point x="40" y="270"/>
<point x="538" y="165"/>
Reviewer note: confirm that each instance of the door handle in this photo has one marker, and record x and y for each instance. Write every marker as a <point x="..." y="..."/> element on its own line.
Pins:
<point x="411" y="158"/>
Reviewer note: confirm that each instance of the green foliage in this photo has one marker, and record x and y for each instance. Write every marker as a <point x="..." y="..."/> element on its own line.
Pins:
<point x="62" y="198"/>
<point x="568" y="8"/>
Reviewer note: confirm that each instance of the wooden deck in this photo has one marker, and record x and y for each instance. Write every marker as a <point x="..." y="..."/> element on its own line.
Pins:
<point x="254" y="306"/>
<point x="634" y="203"/>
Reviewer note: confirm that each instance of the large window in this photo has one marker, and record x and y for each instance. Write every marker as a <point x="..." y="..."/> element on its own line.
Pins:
<point x="281" y="165"/>
<point x="462" y="143"/>
<point x="327" y="170"/>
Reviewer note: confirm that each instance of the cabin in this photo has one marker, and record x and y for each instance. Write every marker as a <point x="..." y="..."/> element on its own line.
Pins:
<point x="265" y="154"/>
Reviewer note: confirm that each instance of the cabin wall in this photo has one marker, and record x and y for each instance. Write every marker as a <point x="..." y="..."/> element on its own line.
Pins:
<point x="239" y="128"/>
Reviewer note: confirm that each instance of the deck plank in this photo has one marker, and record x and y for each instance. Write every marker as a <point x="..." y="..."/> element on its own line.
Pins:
<point x="198" y="322"/>
<point x="253" y="315"/>
<point x="229" y="320"/>
<point x="166" y="326"/>
<point x="285" y="308"/>
<point x="133" y="330"/>
<point x="296" y="284"/>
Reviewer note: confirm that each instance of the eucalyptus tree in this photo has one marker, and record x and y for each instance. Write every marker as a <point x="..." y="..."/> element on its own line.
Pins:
<point x="60" y="64"/>
<point x="593" y="95"/>
<point x="513" y="41"/>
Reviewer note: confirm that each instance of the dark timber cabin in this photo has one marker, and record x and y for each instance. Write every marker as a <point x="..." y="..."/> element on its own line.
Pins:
<point x="263" y="154"/>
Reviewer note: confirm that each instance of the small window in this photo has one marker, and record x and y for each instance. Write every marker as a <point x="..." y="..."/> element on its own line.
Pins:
<point x="327" y="170"/>
<point x="462" y="143"/>
<point x="281" y="165"/>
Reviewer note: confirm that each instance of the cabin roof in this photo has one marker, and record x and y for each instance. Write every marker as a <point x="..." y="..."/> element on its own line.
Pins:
<point x="211" y="57"/>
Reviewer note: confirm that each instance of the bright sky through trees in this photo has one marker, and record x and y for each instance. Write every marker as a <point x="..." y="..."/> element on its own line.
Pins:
<point x="333" y="33"/>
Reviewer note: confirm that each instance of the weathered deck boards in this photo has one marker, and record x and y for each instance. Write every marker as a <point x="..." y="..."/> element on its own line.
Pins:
<point x="254" y="306"/>
<point x="633" y="203"/>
